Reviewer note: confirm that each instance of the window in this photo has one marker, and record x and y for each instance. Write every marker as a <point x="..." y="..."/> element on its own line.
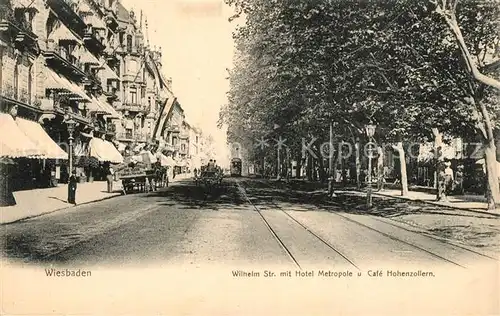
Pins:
<point x="16" y="79"/>
<point x="133" y="95"/>
<point x="143" y="93"/>
<point x="183" y="147"/>
<point x="121" y="38"/>
<point x="174" y="140"/>
<point x="197" y="139"/>
<point x="129" y="43"/>
<point x="128" y="133"/>
<point x="149" y="102"/>
<point x="30" y="82"/>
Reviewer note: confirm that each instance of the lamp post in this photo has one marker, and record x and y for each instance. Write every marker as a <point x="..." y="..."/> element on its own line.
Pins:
<point x="71" y="124"/>
<point x="370" y="131"/>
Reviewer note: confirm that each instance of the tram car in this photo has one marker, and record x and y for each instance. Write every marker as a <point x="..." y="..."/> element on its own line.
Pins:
<point x="235" y="167"/>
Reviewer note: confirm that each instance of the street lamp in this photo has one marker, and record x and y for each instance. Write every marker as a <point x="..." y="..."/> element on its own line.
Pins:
<point x="370" y="131"/>
<point x="71" y="124"/>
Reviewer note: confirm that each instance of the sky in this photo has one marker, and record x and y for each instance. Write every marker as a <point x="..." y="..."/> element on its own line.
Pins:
<point x="196" y="41"/>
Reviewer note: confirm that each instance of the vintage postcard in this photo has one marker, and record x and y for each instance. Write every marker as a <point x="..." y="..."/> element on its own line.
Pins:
<point x="249" y="157"/>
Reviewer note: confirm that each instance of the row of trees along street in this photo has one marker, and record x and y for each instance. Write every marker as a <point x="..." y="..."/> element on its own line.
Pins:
<point x="418" y="70"/>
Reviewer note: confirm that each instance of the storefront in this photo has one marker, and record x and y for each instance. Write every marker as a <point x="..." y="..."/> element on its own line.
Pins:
<point x="29" y="155"/>
<point x="105" y="153"/>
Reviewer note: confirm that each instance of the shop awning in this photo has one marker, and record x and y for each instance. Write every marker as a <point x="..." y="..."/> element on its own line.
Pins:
<point x="13" y="142"/>
<point x="104" y="151"/>
<point x="58" y="82"/>
<point x="38" y="136"/>
<point x="117" y="157"/>
<point x="165" y="161"/>
<point x="146" y="157"/>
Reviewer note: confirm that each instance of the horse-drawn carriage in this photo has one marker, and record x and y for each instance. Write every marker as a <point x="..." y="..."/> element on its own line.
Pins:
<point x="141" y="176"/>
<point x="210" y="177"/>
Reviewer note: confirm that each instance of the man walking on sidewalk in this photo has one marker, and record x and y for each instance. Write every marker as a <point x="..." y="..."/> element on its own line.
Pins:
<point x="110" y="177"/>
<point x="72" y="185"/>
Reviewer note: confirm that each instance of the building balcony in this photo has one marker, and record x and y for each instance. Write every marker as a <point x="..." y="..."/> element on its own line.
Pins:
<point x="93" y="41"/>
<point x="111" y="94"/>
<point x="58" y="58"/>
<point x="65" y="10"/>
<point x="20" y="32"/>
<point x="93" y="82"/>
<point x="134" y="137"/>
<point x="21" y="97"/>
<point x="111" y="19"/>
<point x="133" y="107"/>
<point x="110" y="55"/>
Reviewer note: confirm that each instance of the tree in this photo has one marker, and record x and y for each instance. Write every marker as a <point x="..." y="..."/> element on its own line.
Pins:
<point x="481" y="59"/>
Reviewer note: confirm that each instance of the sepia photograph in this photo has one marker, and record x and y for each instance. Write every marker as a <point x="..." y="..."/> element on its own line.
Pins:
<point x="250" y="157"/>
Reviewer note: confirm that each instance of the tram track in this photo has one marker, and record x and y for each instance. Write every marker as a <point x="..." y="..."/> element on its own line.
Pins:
<point x="280" y="240"/>
<point x="385" y="234"/>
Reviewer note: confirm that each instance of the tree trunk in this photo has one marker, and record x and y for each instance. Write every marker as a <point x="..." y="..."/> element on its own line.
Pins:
<point x="334" y="171"/>
<point x="439" y="178"/>
<point x="344" y="171"/>
<point x="380" y="168"/>
<point x="490" y="161"/>
<point x="309" y="167"/>
<point x="402" y="162"/>
<point x="358" y="165"/>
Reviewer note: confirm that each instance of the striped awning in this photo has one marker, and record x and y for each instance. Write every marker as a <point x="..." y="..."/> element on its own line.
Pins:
<point x="108" y="74"/>
<point x="83" y="7"/>
<point x="95" y="106"/>
<point x="109" y="108"/>
<point x="104" y="151"/>
<point x="95" y="21"/>
<point x="88" y="58"/>
<point x="13" y="141"/>
<point x="62" y="33"/>
<point x="38" y="136"/>
<point x="59" y="82"/>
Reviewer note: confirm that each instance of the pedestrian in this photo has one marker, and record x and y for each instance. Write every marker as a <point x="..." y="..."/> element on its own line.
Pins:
<point x="448" y="173"/>
<point x="459" y="180"/>
<point x="110" y="177"/>
<point x="72" y="186"/>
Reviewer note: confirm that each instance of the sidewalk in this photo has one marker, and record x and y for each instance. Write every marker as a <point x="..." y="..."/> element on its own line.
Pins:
<point x="36" y="202"/>
<point x="32" y="203"/>
<point x="473" y="203"/>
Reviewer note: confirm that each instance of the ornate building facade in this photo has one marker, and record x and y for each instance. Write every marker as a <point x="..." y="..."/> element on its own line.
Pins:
<point x="81" y="61"/>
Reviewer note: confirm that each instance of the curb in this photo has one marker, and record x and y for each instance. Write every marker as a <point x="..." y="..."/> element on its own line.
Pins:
<point x="434" y="203"/>
<point x="59" y="209"/>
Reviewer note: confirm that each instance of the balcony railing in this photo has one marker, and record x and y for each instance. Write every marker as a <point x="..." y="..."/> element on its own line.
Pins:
<point x="58" y="56"/>
<point x="65" y="10"/>
<point x="19" y="29"/>
<point x="133" y="107"/>
<point x="20" y="96"/>
<point x="138" y="137"/>
<point x="94" y="41"/>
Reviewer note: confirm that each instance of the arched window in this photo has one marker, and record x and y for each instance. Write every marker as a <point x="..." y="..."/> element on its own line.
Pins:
<point x="16" y="79"/>
<point x="129" y="43"/>
<point x="30" y="82"/>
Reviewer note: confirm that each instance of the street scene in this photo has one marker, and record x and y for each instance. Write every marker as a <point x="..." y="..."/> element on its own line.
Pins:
<point x="346" y="134"/>
<point x="253" y="222"/>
